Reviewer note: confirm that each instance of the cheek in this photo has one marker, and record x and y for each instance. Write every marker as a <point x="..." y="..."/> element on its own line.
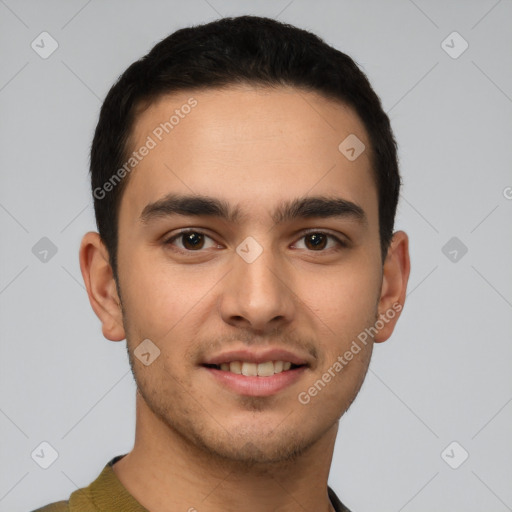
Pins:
<point x="163" y="300"/>
<point x="342" y="298"/>
<point x="344" y="306"/>
<point x="154" y="297"/>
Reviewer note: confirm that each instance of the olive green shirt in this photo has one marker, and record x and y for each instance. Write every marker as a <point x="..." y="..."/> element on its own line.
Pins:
<point x="107" y="494"/>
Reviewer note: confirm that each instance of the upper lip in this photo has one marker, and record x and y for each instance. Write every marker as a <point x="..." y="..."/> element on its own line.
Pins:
<point x="256" y="356"/>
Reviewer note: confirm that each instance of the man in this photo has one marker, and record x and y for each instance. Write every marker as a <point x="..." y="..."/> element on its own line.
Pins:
<point x="245" y="184"/>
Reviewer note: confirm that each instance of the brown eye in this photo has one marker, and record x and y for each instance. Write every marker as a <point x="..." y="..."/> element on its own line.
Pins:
<point x="189" y="241"/>
<point x="192" y="240"/>
<point x="318" y="241"/>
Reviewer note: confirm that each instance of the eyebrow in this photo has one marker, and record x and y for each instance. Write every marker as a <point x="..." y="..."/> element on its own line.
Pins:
<point x="300" y="208"/>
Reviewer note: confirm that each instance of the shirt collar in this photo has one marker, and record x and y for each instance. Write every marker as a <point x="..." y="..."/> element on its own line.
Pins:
<point x="108" y="493"/>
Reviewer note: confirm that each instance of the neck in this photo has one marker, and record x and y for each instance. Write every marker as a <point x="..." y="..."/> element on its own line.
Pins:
<point x="165" y="472"/>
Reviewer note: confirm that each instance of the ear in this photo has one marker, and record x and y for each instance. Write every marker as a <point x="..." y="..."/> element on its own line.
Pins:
<point x="395" y="275"/>
<point x="101" y="286"/>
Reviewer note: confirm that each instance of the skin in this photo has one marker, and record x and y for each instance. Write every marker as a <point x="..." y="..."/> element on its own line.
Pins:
<point x="197" y="443"/>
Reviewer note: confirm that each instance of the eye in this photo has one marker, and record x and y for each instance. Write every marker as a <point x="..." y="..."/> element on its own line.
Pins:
<point x="317" y="241"/>
<point x="190" y="240"/>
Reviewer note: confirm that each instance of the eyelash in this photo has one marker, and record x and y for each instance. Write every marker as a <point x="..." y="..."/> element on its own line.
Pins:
<point x="341" y="243"/>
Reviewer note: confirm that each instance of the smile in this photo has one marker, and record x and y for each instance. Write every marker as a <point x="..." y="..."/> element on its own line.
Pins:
<point x="249" y="369"/>
<point x="244" y="378"/>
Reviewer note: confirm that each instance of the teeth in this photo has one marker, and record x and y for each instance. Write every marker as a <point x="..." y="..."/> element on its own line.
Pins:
<point x="250" y="369"/>
<point x="234" y="367"/>
<point x="266" y="369"/>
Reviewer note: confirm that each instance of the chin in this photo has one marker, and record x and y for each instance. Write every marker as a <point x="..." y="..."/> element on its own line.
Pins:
<point x="259" y="450"/>
<point x="254" y="443"/>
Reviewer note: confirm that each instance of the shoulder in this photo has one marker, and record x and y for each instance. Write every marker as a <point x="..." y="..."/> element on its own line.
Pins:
<point x="59" y="506"/>
<point x="106" y="489"/>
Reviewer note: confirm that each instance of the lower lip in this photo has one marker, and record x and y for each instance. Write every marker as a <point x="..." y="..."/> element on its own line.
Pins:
<point x="256" y="386"/>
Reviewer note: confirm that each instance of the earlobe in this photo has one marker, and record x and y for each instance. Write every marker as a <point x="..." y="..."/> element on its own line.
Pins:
<point x="395" y="276"/>
<point x="101" y="287"/>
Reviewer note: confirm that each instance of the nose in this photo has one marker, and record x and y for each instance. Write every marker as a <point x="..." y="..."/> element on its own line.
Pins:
<point x="258" y="295"/>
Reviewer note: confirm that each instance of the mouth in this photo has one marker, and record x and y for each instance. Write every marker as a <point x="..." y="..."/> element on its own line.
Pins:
<point x="250" y="369"/>
<point x="256" y="371"/>
<point x="247" y="378"/>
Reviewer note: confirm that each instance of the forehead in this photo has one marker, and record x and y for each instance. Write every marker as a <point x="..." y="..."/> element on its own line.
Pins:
<point x="249" y="146"/>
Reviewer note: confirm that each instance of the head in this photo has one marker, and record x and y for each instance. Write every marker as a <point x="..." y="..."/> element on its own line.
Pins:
<point x="235" y="131"/>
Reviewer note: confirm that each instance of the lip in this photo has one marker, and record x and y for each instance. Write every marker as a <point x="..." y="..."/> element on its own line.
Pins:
<point x="256" y="386"/>
<point x="257" y="356"/>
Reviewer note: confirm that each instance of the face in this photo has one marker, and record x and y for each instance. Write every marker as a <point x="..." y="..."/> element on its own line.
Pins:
<point x="263" y="283"/>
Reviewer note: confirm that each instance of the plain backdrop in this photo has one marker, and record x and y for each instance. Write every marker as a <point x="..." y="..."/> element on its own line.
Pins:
<point x="438" y="391"/>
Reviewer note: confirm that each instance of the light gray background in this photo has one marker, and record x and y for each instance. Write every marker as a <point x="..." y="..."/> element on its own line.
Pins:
<point x="445" y="374"/>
